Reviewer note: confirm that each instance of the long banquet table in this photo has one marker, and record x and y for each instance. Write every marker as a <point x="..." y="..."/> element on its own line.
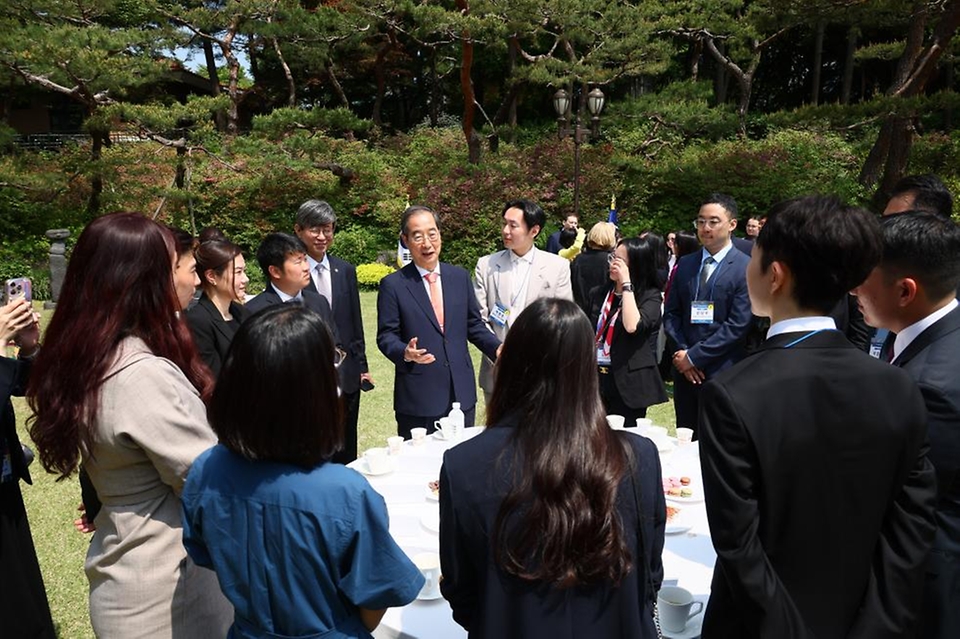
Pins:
<point x="688" y="557"/>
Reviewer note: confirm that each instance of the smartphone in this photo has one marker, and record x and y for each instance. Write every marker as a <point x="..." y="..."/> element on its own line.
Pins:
<point x="366" y="385"/>
<point x="19" y="288"/>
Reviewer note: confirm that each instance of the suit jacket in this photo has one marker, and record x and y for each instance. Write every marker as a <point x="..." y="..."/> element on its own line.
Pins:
<point x="13" y="383"/>
<point x="719" y="345"/>
<point x="487" y="602"/>
<point x="404" y="312"/>
<point x="588" y="271"/>
<point x="745" y="246"/>
<point x="553" y="243"/>
<point x="819" y="493"/>
<point x="493" y="282"/>
<point x="211" y="333"/>
<point x="311" y="299"/>
<point x="346" y="316"/>
<point x="931" y="359"/>
<point x="633" y="356"/>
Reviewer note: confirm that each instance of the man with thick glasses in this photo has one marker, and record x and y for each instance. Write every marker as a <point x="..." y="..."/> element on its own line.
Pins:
<point x="708" y="309"/>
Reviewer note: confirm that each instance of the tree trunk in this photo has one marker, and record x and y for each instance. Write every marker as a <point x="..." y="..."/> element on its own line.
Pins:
<point x="96" y="180"/>
<point x="696" y="55"/>
<point x="335" y="84"/>
<point x="220" y="118"/>
<point x="817" y="62"/>
<point x="291" y="85"/>
<point x="380" y="73"/>
<point x="466" y="88"/>
<point x="721" y="79"/>
<point x="434" y="106"/>
<point x="849" y="63"/>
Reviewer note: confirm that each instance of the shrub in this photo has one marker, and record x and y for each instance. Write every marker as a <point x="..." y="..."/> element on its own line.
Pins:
<point x="369" y="275"/>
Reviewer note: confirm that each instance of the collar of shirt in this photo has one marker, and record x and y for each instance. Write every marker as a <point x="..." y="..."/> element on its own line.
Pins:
<point x="719" y="256"/>
<point x="424" y="272"/>
<point x="313" y="263"/>
<point x="286" y="298"/>
<point x="912" y="332"/>
<point x="526" y="257"/>
<point x="802" y="325"/>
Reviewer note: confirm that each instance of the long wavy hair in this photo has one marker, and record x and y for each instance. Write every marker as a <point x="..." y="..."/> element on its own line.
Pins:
<point x="559" y="522"/>
<point x="119" y="283"/>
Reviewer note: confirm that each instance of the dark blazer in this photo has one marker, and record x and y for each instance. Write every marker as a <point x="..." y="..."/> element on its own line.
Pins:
<point x="404" y="312"/>
<point x="489" y="603"/>
<point x="311" y="299"/>
<point x="346" y="315"/>
<point x="711" y="347"/>
<point x="211" y="333"/>
<point x="932" y="360"/>
<point x="588" y="271"/>
<point x="743" y="245"/>
<point x="13" y="383"/>
<point x="819" y="493"/>
<point x="633" y="356"/>
<point x="553" y="243"/>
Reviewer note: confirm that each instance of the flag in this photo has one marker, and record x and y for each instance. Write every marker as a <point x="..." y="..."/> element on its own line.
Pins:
<point x="403" y="254"/>
<point x="612" y="217"/>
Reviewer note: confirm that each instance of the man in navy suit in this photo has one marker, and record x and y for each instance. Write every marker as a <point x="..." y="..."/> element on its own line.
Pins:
<point x="708" y="309"/>
<point x="336" y="280"/>
<point x="913" y="294"/>
<point x="426" y="314"/>
<point x="283" y="259"/>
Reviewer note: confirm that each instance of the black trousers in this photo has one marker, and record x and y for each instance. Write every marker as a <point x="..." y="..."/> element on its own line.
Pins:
<point x="613" y="402"/>
<point x="686" y="402"/>
<point x="351" y="405"/>
<point x="407" y="422"/>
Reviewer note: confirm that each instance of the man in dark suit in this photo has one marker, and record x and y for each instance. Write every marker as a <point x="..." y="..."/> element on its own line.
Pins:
<point x="571" y="222"/>
<point x="336" y="280"/>
<point x="818" y="489"/>
<point x="283" y="259"/>
<point x="426" y="314"/>
<point x="708" y="310"/>
<point x="913" y="293"/>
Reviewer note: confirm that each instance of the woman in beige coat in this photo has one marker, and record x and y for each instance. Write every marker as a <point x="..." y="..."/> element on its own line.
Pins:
<point x="120" y="385"/>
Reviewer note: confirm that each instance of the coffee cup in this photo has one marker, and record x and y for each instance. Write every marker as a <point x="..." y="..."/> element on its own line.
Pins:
<point x="377" y="461"/>
<point x="615" y="421"/>
<point x="447" y="427"/>
<point x="428" y="563"/>
<point x="643" y="423"/>
<point x="395" y="444"/>
<point x="676" y="606"/>
<point x="684" y="436"/>
<point x="418" y="435"/>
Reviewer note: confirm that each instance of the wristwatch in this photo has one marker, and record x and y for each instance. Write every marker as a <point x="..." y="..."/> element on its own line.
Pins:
<point x="627" y="287"/>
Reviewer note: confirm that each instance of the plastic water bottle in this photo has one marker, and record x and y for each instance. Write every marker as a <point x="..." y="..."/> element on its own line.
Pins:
<point x="457" y="417"/>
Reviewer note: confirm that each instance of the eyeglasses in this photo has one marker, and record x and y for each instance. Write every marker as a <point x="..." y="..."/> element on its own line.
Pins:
<point x="712" y="223"/>
<point x="316" y="231"/>
<point x="338" y="356"/>
<point x="419" y="238"/>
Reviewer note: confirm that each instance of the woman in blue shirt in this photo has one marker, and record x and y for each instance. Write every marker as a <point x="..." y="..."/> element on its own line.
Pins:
<point x="300" y="545"/>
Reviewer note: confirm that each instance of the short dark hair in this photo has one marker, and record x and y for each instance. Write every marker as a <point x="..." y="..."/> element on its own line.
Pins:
<point x="314" y="213"/>
<point x="276" y="397"/>
<point x="642" y="261"/>
<point x="829" y="247"/>
<point x="416" y="209"/>
<point x="274" y="250"/>
<point x="567" y="238"/>
<point x="185" y="243"/>
<point x="929" y="194"/>
<point x="533" y="215"/>
<point x="924" y="246"/>
<point x="726" y="201"/>
<point x="210" y="233"/>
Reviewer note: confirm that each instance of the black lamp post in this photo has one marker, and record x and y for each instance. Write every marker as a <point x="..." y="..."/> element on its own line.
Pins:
<point x="562" y="104"/>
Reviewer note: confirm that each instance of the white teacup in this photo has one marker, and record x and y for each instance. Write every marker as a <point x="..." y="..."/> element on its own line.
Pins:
<point x="657" y="433"/>
<point x="676" y="606"/>
<point x="643" y="423"/>
<point x="684" y="436"/>
<point x="447" y="427"/>
<point x="395" y="444"/>
<point x="615" y="421"/>
<point x="377" y="460"/>
<point x="418" y="435"/>
<point x="429" y="565"/>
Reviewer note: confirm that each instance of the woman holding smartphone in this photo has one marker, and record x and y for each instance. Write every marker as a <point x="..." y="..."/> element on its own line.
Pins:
<point x="120" y="387"/>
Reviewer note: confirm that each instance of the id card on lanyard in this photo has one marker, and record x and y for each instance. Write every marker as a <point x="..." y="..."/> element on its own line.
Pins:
<point x="702" y="311"/>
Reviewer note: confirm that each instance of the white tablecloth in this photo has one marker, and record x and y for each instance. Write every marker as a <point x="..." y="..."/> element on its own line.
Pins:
<point x="688" y="557"/>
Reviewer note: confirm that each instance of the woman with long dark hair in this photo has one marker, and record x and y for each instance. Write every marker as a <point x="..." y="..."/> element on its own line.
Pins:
<point x="301" y="545"/>
<point x="218" y="313"/>
<point x="119" y="386"/>
<point x="551" y="523"/>
<point x="626" y="314"/>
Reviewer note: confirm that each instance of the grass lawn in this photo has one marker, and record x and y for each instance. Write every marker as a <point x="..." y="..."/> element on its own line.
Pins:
<point x="52" y="505"/>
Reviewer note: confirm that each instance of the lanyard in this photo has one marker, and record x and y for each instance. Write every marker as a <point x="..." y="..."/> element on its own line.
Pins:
<point x="712" y="282"/>
<point x="807" y="336"/>
<point x="605" y="324"/>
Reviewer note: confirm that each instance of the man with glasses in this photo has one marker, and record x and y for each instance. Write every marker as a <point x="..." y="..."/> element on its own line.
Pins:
<point x="336" y="281"/>
<point x="426" y="314"/>
<point x="708" y="310"/>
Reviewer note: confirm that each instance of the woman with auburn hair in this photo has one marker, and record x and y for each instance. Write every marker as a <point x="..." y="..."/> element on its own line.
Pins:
<point x="300" y="544"/>
<point x="119" y="386"/>
<point x="219" y="311"/>
<point x="551" y="523"/>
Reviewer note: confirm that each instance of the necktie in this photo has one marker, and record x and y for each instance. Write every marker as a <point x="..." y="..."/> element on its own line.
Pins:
<point x="706" y="270"/>
<point x="436" y="296"/>
<point x="323" y="283"/>
<point x="886" y="353"/>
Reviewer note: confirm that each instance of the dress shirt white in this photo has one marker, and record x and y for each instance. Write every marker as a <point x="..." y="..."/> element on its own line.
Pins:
<point x="520" y="266"/>
<point x="286" y="298"/>
<point x="913" y="331"/>
<point x="802" y="325"/>
<point x="315" y="276"/>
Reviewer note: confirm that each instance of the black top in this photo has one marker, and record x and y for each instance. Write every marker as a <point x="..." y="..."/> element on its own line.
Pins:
<point x="588" y="271"/>
<point x="489" y="603"/>
<point x="211" y="333"/>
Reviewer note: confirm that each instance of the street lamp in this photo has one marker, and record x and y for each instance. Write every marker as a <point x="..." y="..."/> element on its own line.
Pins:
<point x="562" y="105"/>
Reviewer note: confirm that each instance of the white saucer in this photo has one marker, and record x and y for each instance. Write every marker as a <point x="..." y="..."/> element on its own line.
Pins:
<point x="696" y="499"/>
<point x="432" y="496"/>
<point x="427" y="598"/>
<point x="692" y="631"/>
<point x="361" y="466"/>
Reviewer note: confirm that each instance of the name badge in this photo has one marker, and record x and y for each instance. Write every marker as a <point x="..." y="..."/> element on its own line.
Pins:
<point x="603" y="359"/>
<point x="875" y="350"/>
<point x="701" y="313"/>
<point x="499" y="315"/>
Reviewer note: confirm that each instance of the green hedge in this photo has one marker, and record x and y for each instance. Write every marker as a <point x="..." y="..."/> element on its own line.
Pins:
<point x="369" y="275"/>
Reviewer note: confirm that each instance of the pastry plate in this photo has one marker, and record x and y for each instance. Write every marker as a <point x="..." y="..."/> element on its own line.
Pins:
<point x="360" y="465"/>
